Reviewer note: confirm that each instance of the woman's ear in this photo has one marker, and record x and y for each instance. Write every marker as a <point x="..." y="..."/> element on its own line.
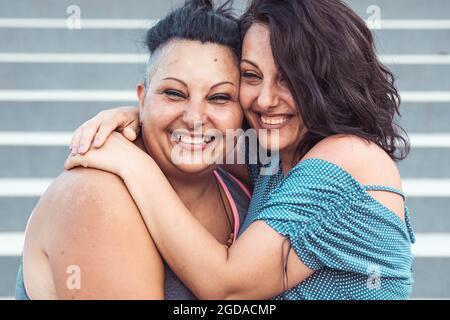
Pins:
<point x="141" y="93"/>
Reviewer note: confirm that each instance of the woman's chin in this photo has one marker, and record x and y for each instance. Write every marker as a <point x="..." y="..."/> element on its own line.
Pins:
<point x="274" y="145"/>
<point x="195" y="168"/>
<point x="191" y="161"/>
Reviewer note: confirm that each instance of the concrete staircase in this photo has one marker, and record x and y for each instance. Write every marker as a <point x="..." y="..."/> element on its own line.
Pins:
<point x="52" y="79"/>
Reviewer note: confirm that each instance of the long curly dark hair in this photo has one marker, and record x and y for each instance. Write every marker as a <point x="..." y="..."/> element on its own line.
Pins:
<point x="326" y="53"/>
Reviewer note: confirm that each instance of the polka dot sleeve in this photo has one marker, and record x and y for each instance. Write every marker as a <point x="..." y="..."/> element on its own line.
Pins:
<point x="317" y="206"/>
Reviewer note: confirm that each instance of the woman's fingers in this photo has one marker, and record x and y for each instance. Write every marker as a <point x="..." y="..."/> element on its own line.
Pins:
<point x="84" y="136"/>
<point x="124" y="119"/>
<point x="77" y="160"/>
<point x="70" y="162"/>
<point x="105" y="130"/>
<point x="88" y="132"/>
<point x="75" y="141"/>
<point x="131" y="132"/>
<point x="97" y="130"/>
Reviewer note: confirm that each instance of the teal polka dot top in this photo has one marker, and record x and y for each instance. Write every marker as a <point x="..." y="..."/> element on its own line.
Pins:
<point x="358" y="248"/>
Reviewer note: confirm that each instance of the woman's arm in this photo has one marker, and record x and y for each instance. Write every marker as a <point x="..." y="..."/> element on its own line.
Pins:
<point x="251" y="269"/>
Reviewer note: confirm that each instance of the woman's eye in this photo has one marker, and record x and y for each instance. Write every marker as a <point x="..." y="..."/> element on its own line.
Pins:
<point x="174" y="94"/>
<point x="249" y="75"/>
<point x="220" y="98"/>
<point x="283" y="82"/>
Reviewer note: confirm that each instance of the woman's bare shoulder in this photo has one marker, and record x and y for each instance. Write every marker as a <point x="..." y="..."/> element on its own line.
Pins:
<point x="83" y="185"/>
<point x="87" y="197"/>
<point x="88" y="218"/>
<point x="364" y="160"/>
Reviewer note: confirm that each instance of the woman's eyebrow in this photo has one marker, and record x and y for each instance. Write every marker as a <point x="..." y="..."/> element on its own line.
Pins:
<point x="222" y="83"/>
<point x="250" y="62"/>
<point x="175" y="79"/>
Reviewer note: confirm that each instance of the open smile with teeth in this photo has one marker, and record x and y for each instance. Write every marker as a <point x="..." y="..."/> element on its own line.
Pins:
<point x="194" y="141"/>
<point x="274" y="120"/>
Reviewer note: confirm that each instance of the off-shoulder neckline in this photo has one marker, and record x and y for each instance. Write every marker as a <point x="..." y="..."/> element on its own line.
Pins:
<point x="404" y="223"/>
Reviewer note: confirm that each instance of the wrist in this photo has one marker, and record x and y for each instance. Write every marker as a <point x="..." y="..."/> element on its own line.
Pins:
<point x="142" y="162"/>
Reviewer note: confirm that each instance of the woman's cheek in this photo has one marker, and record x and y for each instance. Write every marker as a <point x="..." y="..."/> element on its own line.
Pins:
<point x="238" y="115"/>
<point x="229" y="118"/>
<point x="247" y="95"/>
<point x="164" y="112"/>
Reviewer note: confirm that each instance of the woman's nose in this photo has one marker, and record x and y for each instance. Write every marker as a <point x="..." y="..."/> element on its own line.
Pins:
<point x="268" y="97"/>
<point x="194" y="115"/>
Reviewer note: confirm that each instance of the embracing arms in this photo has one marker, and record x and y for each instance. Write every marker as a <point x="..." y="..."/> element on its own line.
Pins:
<point x="251" y="269"/>
<point x="94" y="132"/>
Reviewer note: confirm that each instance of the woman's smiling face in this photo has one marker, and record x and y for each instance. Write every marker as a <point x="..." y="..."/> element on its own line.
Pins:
<point x="193" y="91"/>
<point x="265" y="96"/>
<point x="195" y="86"/>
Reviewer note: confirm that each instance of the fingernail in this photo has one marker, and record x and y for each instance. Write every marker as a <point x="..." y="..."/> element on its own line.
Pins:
<point x="70" y="147"/>
<point x="74" y="150"/>
<point x="82" y="149"/>
<point x="96" y="142"/>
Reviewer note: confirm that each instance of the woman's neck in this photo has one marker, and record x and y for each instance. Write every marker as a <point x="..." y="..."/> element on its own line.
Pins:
<point x="289" y="156"/>
<point x="194" y="190"/>
<point x="287" y="161"/>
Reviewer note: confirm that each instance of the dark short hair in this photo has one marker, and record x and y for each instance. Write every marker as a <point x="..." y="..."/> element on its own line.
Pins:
<point x="197" y="20"/>
<point x="326" y="53"/>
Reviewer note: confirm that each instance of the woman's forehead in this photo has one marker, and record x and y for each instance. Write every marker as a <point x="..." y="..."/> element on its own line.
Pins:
<point x="193" y="59"/>
<point x="256" y="40"/>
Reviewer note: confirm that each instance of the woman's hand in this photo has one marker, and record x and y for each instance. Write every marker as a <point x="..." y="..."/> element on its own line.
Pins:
<point x="116" y="156"/>
<point x="96" y="130"/>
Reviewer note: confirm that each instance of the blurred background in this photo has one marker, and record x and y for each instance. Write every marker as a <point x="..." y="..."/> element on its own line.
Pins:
<point x="54" y="75"/>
